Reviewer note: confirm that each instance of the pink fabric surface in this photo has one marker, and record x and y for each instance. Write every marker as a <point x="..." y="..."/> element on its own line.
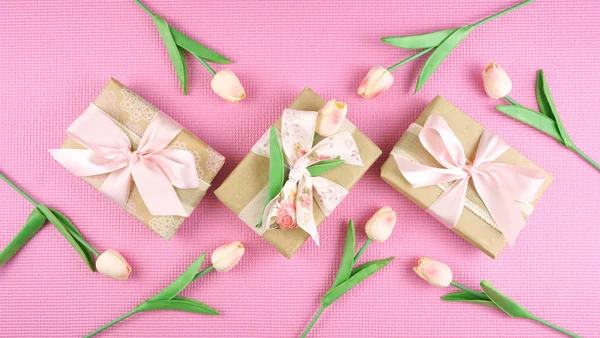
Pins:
<point x="56" y="57"/>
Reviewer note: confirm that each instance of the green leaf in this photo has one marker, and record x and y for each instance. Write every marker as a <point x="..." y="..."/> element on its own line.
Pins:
<point x="467" y="297"/>
<point x="533" y="118"/>
<point x="360" y="275"/>
<point x="75" y="233"/>
<point x="174" y="53"/>
<point x="566" y="140"/>
<point x="541" y="97"/>
<point x="181" y="282"/>
<point x="419" y="41"/>
<point x="276" y="168"/>
<point x="347" y="257"/>
<point x="440" y="53"/>
<point x="177" y="304"/>
<point x="322" y="167"/>
<point x="34" y="223"/>
<point x="62" y="228"/>
<point x="504" y="303"/>
<point x="197" y="49"/>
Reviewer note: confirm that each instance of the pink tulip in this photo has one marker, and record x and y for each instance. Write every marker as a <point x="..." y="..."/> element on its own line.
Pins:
<point x="225" y="257"/>
<point x="111" y="264"/>
<point x="228" y="86"/>
<point x="330" y="118"/>
<point x="434" y="272"/>
<point x="378" y="80"/>
<point x="381" y="224"/>
<point x="496" y="82"/>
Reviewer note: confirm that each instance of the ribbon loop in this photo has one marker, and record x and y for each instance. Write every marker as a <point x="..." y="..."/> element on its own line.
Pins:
<point x="499" y="185"/>
<point x="154" y="169"/>
<point x="293" y="206"/>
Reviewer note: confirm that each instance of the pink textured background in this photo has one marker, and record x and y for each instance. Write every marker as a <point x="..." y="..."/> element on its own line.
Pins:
<point x="56" y="56"/>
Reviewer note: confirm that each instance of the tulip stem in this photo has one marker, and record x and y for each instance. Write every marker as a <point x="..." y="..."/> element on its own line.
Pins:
<point x="5" y="179"/>
<point x="410" y="58"/>
<point x="511" y="101"/>
<point x="478" y="294"/>
<point x="209" y="68"/>
<point x="508" y="10"/>
<point x="313" y="321"/>
<point x="82" y="241"/>
<point x="106" y="326"/>
<point x="203" y="272"/>
<point x="144" y="7"/>
<point x="559" y="329"/>
<point x="362" y="250"/>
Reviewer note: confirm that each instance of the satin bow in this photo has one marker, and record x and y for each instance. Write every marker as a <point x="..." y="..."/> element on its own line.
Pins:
<point x="155" y="170"/>
<point x="296" y="196"/>
<point x="498" y="184"/>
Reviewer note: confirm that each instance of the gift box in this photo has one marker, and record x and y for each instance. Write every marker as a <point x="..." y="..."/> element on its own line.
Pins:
<point x="466" y="177"/>
<point x="139" y="158"/>
<point x="244" y="191"/>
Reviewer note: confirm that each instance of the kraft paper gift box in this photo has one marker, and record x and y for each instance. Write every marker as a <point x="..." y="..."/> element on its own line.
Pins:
<point x="133" y="115"/>
<point x="241" y="189"/>
<point x="475" y="224"/>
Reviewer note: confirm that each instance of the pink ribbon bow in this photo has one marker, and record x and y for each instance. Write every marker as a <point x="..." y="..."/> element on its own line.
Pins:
<point x="155" y="170"/>
<point x="498" y="184"/>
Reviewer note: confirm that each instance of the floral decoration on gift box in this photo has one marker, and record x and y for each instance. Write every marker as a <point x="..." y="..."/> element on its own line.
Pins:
<point x="298" y="172"/>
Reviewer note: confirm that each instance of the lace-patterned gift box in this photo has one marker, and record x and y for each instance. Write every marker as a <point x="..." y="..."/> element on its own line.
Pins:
<point x="475" y="225"/>
<point x="132" y="114"/>
<point x="243" y="191"/>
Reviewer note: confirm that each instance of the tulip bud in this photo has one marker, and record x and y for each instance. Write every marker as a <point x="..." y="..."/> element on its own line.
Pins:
<point x="330" y="118"/>
<point x="378" y="80"/>
<point x="434" y="272"/>
<point x="381" y="224"/>
<point x="225" y="257"/>
<point x="113" y="265"/>
<point x="496" y="82"/>
<point x="228" y="86"/>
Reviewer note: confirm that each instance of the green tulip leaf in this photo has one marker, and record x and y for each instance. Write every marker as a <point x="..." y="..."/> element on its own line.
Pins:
<point x="467" y="297"/>
<point x="419" y="41"/>
<point x="197" y="49"/>
<point x="534" y="119"/>
<point x="62" y="228"/>
<point x="74" y="232"/>
<point x="541" y="97"/>
<point x="181" y="282"/>
<point x="177" y="304"/>
<point x="440" y="53"/>
<point x="174" y="52"/>
<point x="276" y="168"/>
<point x="380" y="263"/>
<point x="504" y="303"/>
<point x="322" y="167"/>
<point x="360" y="275"/>
<point x="550" y="107"/>
<point x="34" y="223"/>
<point x="347" y="261"/>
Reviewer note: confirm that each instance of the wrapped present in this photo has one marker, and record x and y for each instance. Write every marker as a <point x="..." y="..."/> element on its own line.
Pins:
<point x="319" y="173"/>
<point x="439" y="155"/>
<point x="139" y="158"/>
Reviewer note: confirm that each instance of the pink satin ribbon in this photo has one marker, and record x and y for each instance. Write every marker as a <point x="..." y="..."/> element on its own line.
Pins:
<point x="498" y="184"/>
<point x="155" y="170"/>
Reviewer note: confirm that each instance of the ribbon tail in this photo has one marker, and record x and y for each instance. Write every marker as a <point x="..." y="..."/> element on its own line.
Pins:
<point x="449" y="206"/>
<point x="500" y="202"/>
<point x="117" y="186"/>
<point x="156" y="190"/>
<point x="179" y="166"/>
<point x="304" y="208"/>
